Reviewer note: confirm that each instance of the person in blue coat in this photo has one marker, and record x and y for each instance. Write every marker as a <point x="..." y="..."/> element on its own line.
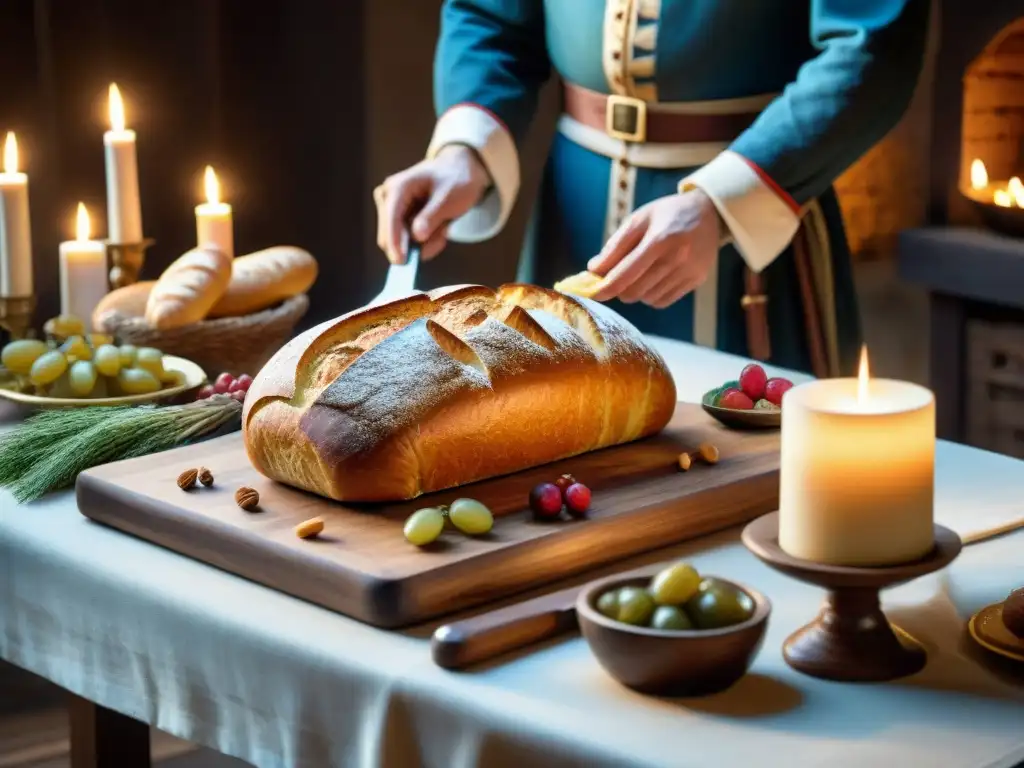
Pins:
<point x="693" y="164"/>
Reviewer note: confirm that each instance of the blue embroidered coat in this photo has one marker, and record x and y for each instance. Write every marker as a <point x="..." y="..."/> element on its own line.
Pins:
<point x="831" y="77"/>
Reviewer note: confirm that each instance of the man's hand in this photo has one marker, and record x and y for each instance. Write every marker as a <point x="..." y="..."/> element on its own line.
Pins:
<point x="438" y="191"/>
<point x="660" y="253"/>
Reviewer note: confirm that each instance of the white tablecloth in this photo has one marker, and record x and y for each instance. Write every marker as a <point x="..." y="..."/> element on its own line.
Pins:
<point x="215" y="659"/>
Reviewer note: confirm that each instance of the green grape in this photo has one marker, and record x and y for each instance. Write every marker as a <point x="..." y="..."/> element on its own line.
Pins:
<point x="670" y="617"/>
<point x="107" y="359"/>
<point x="82" y="378"/>
<point x="67" y="325"/>
<point x="470" y="516"/>
<point x="18" y="356"/>
<point x="150" y="359"/>
<point x="48" y="368"/>
<point x="635" y="606"/>
<point x="608" y="604"/>
<point x="135" y="381"/>
<point x="172" y="378"/>
<point x="76" y="347"/>
<point x="424" y="526"/>
<point x="99" y="339"/>
<point x="675" y="585"/>
<point x="127" y="355"/>
<point x="719" y="605"/>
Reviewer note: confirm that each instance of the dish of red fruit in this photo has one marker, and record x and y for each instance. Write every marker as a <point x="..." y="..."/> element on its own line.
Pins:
<point x="753" y="401"/>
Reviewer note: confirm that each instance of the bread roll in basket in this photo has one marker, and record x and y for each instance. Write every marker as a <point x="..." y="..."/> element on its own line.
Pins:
<point x="441" y="389"/>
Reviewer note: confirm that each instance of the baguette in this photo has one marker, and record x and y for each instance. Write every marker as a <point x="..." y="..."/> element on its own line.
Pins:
<point x="128" y="301"/>
<point x="264" y="278"/>
<point x="436" y="390"/>
<point x="188" y="289"/>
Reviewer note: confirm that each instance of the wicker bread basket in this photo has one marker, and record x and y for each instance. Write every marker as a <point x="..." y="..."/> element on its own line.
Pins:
<point x="236" y="345"/>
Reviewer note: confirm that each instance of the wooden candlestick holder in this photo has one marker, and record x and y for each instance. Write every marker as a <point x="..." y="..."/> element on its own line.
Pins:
<point x="126" y="260"/>
<point x="851" y="640"/>
<point x="16" y="315"/>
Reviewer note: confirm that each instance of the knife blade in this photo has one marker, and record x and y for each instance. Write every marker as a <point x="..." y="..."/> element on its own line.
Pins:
<point x="401" y="278"/>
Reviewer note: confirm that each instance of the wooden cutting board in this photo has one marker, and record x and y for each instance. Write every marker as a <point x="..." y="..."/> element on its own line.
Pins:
<point x="363" y="567"/>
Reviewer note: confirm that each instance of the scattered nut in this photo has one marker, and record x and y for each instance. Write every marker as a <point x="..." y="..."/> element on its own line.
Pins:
<point x="705" y="452"/>
<point x="187" y="479"/>
<point x="247" y="498"/>
<point x="309" y="528"/>
<point x="205" y="476"/>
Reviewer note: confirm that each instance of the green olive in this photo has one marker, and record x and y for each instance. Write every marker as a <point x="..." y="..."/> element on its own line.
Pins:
<point x="635" y="606"/>
<point x="718" y="605"/>
<point x="608" y="604"/>
<point x="675" y="585"/>
<point x="670" y="617"/>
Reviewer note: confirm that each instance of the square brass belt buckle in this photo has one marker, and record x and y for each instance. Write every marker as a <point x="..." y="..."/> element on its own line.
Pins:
<point x="625" y="118"/>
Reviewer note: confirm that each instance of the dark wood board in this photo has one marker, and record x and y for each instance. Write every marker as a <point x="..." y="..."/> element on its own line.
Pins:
<point x="362" y="566"/>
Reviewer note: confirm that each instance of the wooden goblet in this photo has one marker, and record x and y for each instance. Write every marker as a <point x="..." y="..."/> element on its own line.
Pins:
<point x="851" y="640"/>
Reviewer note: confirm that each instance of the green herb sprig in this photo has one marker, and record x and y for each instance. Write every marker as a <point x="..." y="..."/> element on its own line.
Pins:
<point x="51" y="448"/>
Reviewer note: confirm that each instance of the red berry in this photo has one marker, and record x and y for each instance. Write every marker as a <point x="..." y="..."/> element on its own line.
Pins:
<point x="239" y="395"/>
<point x="205" y="391"/>
<point x="564" y="482"/>
<point x="577" y="499"/>
<point x="733" y="398"/>
<point x="546" y="501"/>
<point x="244" y="381"/>
<point x="223" y="383"/>
<point x="752" y="381"/>
<point x="236" y="386"/>
<point x="775" y="389"/>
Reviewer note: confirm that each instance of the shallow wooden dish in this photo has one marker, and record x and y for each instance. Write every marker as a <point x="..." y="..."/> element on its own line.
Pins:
<point x="987" y="630"/>
<point x="670" y="663"/>
<point x="191" y="374"/>
<point x="737" y="419"/>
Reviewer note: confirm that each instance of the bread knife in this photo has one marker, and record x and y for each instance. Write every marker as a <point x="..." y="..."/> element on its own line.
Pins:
<point x="401" y="278"/>
<point x="488" y="635"/>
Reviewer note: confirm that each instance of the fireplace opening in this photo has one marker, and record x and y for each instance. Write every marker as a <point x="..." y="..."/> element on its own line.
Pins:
<point x="992" y="131"/>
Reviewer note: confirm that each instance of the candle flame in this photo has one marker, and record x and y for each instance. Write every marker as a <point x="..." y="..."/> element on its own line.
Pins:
<point x="116" y="108"/>
<point x="1016" y="188"/>
<point x="979" y="174"/>
<point x="863" y="377"/>
<point x="211" y="185"/>
<point x="10" y="153"/>
<point x="1002" y="198"/>
<point x="83" y="227"/>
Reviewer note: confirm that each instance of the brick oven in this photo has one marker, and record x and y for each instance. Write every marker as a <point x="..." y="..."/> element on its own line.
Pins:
<point x="970" y="256"/>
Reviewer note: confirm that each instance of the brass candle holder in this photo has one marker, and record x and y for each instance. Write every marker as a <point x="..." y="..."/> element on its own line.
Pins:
<point x="16" y="315"/>
<point x="126" y="260"/>
<point x="851" y="640"/>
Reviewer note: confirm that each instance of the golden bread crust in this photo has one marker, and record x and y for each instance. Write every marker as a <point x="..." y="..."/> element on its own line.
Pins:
<point x="442" y="389"/>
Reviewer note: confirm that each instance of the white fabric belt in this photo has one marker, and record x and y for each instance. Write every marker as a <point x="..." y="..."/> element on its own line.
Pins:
<point x="663" y="156"/>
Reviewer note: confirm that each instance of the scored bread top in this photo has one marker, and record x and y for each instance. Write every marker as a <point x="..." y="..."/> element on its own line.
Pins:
<point x="372" y="377"/>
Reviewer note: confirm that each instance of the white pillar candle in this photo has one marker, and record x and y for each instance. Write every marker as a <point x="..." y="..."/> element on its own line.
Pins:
<point x="83" y="271"/>
<point x="857" y="473"/>
<point x="15" y="226"/>
<point x="124" y="207"/>
<point x="214" y="225"/>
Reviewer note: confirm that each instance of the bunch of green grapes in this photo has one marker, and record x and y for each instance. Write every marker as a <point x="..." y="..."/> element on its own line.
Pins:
<point x="85" y="365"/>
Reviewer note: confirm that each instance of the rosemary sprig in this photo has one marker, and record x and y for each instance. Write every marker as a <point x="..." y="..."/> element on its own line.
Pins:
<point x="51" y="448"/>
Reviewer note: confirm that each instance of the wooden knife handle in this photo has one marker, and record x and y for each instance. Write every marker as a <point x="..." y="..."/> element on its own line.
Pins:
<point x="482" y="637"/>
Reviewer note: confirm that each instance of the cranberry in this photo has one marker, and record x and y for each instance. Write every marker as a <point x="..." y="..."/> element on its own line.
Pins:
<point x="775" y="389"/>
<point x="577" y="499"/>
<point x="245" y="381"/>
<point x="205" y="391"/>
<point x="546" y="501"/>
<point x="564" y="482"/>
<point x="222" y="384"/>
<point x="752" y="381"/>
<point x="733" y="398"/>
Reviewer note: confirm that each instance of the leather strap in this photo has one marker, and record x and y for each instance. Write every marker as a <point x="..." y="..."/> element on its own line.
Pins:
<point x="809" y="299"/>
<point x="659" y="126"/>
<point x="755" y="310"/>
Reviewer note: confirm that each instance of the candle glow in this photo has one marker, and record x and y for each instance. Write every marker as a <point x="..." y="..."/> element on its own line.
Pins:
<point x="211" y="185"/>
<point x="115" y="107"/>
<point x="979" y="174"/>
<point x="83" y="226"/>
<point x="1003" y="194"/>
<point x="214" y="225"/>
<point x="863" y="378"/>
<point x="11" y="154"/>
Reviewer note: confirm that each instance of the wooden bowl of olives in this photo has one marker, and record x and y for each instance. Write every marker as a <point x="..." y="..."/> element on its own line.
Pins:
<point x="669" y="631"/>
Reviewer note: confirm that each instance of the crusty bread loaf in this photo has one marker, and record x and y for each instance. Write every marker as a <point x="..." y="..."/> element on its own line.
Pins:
<point x="264" y="278"/>
<point x="188" y="289"/>
<point x="128" y="301"/>
<point x="437" y="390"/>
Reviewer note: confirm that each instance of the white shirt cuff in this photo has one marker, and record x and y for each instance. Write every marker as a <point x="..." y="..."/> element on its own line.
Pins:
<point x="761" y="219"/>
<point x="477" y="128"/>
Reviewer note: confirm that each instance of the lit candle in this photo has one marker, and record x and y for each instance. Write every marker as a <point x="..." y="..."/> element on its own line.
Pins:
<point x="213" y="218"/>
<point x="83" y="271"/>
<point x="124" y="208"/>
<point x="857" y="471"/>
<point x="15" y="226"/>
